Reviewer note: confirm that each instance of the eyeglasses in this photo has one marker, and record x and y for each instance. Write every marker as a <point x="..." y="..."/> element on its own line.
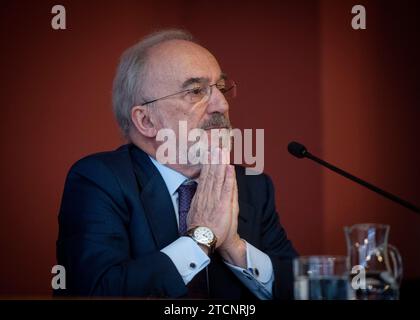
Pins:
<point x="200" y="91"/>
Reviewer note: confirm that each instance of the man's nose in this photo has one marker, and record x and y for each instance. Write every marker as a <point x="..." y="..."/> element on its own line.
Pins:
<point x="217" y="102"/>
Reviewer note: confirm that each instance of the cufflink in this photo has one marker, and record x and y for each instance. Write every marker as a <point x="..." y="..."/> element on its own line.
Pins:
<point x="193" y="265"/>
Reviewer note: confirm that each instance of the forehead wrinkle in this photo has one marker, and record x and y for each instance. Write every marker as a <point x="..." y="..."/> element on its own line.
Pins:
<point x="169" y="60"/>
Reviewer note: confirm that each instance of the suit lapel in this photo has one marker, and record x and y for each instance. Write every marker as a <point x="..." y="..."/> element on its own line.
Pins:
<point x="155" y="198"/>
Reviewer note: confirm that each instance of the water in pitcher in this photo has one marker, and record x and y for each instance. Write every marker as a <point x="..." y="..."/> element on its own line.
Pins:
<point x="379" y="286"/>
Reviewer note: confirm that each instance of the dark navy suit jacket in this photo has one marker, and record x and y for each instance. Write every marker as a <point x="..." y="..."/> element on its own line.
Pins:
<point x="116" y="214"/>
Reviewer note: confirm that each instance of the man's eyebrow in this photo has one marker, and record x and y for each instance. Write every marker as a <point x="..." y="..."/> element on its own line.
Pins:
<point x="194" y="80"/>
<point x="191" y="81"/>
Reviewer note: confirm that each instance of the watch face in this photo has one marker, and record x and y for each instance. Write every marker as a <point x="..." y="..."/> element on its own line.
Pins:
<point x="203" y="235"/>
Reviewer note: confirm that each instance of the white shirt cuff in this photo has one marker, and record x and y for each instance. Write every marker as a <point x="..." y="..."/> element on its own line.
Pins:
<point x="188" y="258"/>
<point x="259" y="275"/>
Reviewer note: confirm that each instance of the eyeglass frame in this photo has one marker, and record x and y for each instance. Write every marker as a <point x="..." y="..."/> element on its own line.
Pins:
<point x="189" y="90"/>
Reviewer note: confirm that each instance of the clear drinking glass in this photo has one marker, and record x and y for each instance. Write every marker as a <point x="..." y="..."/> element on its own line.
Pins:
<point x="322" y="278"/>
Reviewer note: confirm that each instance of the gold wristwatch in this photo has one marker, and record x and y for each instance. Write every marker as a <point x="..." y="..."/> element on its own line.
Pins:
<point x="203" y="236"/>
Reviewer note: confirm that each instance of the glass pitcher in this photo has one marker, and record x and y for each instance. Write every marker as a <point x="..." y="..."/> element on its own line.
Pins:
<point x="376" y="263"/>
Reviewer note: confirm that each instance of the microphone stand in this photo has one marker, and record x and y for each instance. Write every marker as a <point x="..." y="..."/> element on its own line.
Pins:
<point x="390" y="196"/>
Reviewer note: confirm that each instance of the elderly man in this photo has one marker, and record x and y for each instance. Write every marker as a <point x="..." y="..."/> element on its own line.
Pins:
<point x="132" y="226"/>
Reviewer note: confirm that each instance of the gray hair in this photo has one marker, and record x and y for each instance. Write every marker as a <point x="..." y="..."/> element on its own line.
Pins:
<point x="126" y="91"/>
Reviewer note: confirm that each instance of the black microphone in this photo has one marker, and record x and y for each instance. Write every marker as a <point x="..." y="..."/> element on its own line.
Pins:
<point x="298" y="150"/>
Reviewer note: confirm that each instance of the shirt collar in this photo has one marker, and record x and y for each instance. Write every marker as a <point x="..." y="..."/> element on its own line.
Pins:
<point x="173" y="179"/>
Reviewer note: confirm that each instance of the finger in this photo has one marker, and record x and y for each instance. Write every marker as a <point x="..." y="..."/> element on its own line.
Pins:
<point x="225" y="156"/>
<point x="214" y="159"/>
<point x="208" y="180"/>
<point x="203" y="178"/>
<point x="205" y="154"/>
<point x="203" y="174"/>
<point x="217" y="156"/>
<point x="219" y="179"/>
<point x="235" y="204"/>
<point x="219" y="172"/>
<point x="227" y="189"/>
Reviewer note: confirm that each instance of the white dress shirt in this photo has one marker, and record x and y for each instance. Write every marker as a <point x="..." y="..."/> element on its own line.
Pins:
<point x="190" y="259"/>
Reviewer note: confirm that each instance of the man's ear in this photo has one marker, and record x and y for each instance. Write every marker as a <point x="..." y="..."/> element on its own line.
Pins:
<point x="140" y="115"/>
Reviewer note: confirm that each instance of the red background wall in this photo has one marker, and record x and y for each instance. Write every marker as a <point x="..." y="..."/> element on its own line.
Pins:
<point x="304" y="74"/>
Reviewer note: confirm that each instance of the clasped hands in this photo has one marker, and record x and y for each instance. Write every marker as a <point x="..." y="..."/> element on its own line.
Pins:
<point x="215" y="205"/>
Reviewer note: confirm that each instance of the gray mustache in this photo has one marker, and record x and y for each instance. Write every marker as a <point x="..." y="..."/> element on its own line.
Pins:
<point x="217" y="120"/>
